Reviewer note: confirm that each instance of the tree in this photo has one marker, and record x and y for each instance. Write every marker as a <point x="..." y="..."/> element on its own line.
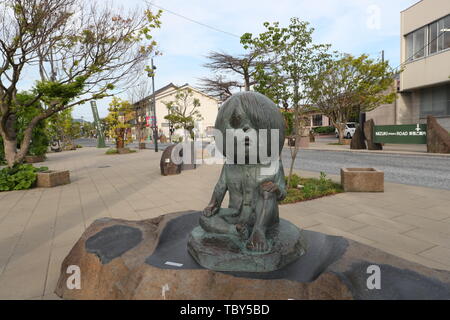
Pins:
<point x="295" y="59"/>
<point x="62" y="127"/>
<point x="80" y="50"/>
<point x="218" y="86"/>
<point x="115" y="120"/>
<point x="39" y="137"/>
<point x="244" y="66"/>
<point x="183" y="111"/>
<point x="137" y="96"/>
<point x="349" y="84"/>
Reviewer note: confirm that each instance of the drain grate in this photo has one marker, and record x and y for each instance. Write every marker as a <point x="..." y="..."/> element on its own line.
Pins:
<point x="106" y="166"/>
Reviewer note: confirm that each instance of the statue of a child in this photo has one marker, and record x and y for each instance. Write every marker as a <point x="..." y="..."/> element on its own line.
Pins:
<point x="254" y="187"/>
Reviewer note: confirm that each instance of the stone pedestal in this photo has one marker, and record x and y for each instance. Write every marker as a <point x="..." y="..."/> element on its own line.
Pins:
<point x="148" y="259"/>
<point x="50" y="178"/>
<point x="362" y="180"/>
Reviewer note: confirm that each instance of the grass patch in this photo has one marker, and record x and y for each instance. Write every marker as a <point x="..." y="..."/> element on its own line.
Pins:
<point x="114" y="151"/>
<point x="313" y="188"/>
<point x="335" y="144"/>
<point x="111" y="151"/>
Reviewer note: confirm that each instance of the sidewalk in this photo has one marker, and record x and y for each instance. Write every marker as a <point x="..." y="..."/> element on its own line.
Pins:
<point x="38" y="227"/>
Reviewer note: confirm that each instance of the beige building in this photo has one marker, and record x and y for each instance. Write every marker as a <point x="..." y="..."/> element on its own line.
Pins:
<point x="424" y="84"/>
<point x="208" y="109"/>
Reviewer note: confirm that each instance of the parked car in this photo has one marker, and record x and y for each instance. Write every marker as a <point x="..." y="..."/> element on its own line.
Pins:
<point x="349" y="131"/>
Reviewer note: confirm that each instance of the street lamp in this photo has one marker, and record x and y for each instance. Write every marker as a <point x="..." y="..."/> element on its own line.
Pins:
<point x="154" y="123"/>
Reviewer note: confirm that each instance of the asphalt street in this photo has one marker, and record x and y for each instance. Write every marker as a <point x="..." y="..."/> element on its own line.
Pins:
<point x="423" y="170"/>
<point x="426" y="171"/>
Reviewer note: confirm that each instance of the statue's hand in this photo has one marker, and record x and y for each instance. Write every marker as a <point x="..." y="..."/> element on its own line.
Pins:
<point x="210" y="210"/>
<point x="269" y="186"/>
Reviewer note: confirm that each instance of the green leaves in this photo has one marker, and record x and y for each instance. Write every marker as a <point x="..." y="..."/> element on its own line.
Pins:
<point x="54" y="92"/>
<point x="19" y="177"/>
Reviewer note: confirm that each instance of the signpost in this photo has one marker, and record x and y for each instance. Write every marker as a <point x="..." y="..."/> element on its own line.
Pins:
<point x="100" y="135"/>
<point x="401" y="134"/>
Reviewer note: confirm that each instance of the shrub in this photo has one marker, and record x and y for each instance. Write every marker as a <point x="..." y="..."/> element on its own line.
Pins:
<point x="324" y="130"/>
<point x="312" y="188"/>
<point x="19" y="177"/>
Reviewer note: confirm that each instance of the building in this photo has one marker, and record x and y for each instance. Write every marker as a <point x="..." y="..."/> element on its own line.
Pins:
<point x="209" y="107"/>
<point x="424" y="83"/>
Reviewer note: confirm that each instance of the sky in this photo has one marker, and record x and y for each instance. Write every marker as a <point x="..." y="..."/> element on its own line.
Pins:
<point x="350" y="26"/>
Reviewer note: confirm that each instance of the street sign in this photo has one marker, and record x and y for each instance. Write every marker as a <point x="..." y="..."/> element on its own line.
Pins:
<point x="401" y="134"/>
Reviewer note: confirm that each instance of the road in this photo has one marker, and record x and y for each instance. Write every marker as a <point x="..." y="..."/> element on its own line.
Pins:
<point x="423" y="170"/>
<point x="426" y="171"/>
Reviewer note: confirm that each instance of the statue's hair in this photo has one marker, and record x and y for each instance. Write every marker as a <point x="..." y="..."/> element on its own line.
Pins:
<point x="262" y="112"/>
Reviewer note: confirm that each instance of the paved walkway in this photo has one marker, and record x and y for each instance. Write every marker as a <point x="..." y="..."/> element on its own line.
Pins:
<point x="38" y="227"/>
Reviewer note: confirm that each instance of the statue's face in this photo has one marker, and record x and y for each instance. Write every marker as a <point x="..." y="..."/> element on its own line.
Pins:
<point x="246" y="134"/>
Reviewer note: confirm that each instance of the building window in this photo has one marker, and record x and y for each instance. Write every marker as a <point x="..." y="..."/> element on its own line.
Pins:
<point x="435" y="101"/>
<point x="433" y="32"/>
<point x="428" y="40"/>
<point x="415" y="43"/>
<point x="317" y="120"/>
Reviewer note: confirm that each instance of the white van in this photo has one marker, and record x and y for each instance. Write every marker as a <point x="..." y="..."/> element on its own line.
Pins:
<point x="349" y="131"/>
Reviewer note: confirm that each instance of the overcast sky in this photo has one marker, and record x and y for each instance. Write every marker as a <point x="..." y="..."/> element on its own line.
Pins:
<point x="352" y="26"/>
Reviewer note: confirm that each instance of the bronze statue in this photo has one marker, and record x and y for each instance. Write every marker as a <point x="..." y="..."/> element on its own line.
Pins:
<point x="250" y="226"/>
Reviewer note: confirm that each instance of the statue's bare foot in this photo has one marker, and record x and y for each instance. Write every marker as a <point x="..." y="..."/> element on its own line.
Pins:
<point x="258" y="241"/>
<point x="242" y="231"/>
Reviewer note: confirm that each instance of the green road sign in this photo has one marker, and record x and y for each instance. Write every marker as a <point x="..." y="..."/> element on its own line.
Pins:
<point x="401" y="134"/>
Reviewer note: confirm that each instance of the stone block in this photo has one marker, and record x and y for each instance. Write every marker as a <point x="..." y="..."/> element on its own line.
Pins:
<point x="34" y="159"/>
<point x="50" y="178"/>
<point x="362" y="180"/>
<point x="167" y="163"/>
<point x="358" y="141"/>
<point x="438" y="139"/>
<point x="368" y="133"/>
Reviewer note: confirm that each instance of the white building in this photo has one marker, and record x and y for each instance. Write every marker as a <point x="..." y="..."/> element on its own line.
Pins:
<point x="424" y="83"/>
<point x="208" y="109"/>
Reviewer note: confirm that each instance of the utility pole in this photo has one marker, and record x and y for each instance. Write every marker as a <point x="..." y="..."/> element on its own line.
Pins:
<point x="382" y="56"/>
<point x="155" y="123"/>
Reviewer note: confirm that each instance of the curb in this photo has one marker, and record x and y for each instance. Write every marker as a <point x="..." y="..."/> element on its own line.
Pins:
<point x="404" y="153"/>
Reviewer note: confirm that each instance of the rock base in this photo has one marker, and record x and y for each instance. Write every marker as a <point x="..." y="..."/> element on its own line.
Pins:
<point x="148" y="259"/>
<point x="226" y="253"/>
